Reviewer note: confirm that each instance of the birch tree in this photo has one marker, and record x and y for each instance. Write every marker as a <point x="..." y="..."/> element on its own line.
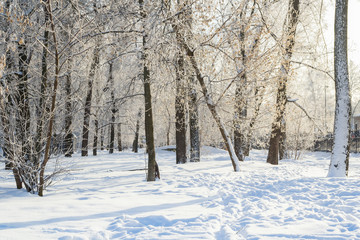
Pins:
<point x="339" y="164"/>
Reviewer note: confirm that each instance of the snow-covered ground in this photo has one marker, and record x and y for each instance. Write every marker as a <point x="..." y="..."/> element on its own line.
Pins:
<point x="107" y="197"/>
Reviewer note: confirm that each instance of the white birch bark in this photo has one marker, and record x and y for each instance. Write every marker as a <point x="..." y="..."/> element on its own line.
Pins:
<point x="340" y="149"/>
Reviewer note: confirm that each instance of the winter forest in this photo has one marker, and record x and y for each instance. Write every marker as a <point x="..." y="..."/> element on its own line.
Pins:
<point x="178" y="119"/>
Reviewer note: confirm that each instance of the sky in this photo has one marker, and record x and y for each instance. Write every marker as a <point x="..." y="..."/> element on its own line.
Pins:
<point x="354" y="31"/>
<point x="353" y="27"/>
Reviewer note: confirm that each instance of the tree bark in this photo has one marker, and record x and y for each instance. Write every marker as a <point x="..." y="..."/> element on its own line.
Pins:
<point x="87" y="109"/>
<point x="96" y="123"/>
<point x="180" y="121"/>
<point x="7" y="104"/>
<point x="120" y="148"/>
<point x="281" y="98"/>
<point x="68" y="141"/>
<point x="210" y="104"/>
<point x="282" y="141"/>
<point x="42" y="109"/>
<point x="23" y="102"/>
<point x="153" y="169"/>
<point x="53" y="103"/>
<point x="113" y="109"/>
<point x="102" y="139"/>
<point x="258" y="102"/>
<point x="339" y="164"/>
<point x="240" y="101"/>
<point x="135" y="146"/>
<point x="194" y="124"/>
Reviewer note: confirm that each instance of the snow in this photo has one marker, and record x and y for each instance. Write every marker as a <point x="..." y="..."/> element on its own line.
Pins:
<point x="107" y="197"/>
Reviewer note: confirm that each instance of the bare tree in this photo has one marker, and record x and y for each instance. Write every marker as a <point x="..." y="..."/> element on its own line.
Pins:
<point x="281" y="97"/>
<point x="153" y="169"/>
<point x="87" y="108"/>
<point x="339" y="164"/>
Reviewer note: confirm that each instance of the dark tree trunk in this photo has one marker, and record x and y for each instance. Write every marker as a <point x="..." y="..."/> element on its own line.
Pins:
<point x="194" y="124"/>
<point x="153" y="169"/>
<point x="96" y="123"/>
<point x="23" y="119"/>
<point x="30" y="174"/>
<point x="282" y="143"/>
<point x="293" y="16"/>
<point x="168" y="129"/>
<point x="210" y="104"/>
<point x="42" y="108"/>
<point x="102" y="139"/>
<point x="180" y="117"/>
<point x="53" y="103"/>
<point x="68" y="141"/>
<point x="113" y="109"/>
<point x="6" y="108"/>
<point x="17" y="178"/>
<point x="135" y="146"/>
<point x="87" y="109"/>
<point x="119" y="137"/>
<point x="112" y="136"/>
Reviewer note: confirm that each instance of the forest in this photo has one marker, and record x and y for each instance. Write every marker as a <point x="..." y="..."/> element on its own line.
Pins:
<point x="88" y="75"/>
<point x="184" y="119"/>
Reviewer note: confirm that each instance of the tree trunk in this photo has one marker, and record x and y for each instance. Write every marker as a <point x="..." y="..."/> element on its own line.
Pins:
<point x="102" y="139"/>
<point x="210" y="104"/>
<point x="113" y="109"/>
<point x="153" y="169"/>
<point x="135" y="145"/>
<point x="168" y="129"/>
<point x="42" y="109"/>
<point x="240" y="101"/>
<point x="281" y="98"/>
<point x="258" y="102"/>
<point x="87" y="109"/>
<point x="23" y="102"/>
<point x="96" y="123"/>
<point x="282" y="142"/>
<point x="25" y="168"/>
<point x="120" y="148"/>
<point x="194" y="124"/>
<point x="180" y="123"/>
<point x="7" y="104"/>
<point x="339" y="164"/>
<point x="53" y="103"/>
<point x="239" y="116"/>
<point x="68" y="141"/>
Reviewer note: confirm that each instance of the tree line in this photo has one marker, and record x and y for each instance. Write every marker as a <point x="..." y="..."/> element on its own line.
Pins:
<point x="81" y="74"/>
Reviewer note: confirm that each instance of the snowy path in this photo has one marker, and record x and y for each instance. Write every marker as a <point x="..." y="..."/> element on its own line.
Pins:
<point x="102" y="199"/>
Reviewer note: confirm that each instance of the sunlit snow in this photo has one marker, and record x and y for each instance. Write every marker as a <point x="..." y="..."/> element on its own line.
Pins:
<point x="107" y="197"/>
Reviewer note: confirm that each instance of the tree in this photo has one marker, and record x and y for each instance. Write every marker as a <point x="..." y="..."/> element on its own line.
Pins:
<point x="135" y="145"/>
<point x="180" y="111"/>
<point x="209" y="102"/>
<point x="281" y="97"/>
<point x="339" y="164"/>
<point x="153" y="169"/>
<point x="113" y="109"/>
<point x="53" y="102"/>
<point x="180" y="98"/>
<point x="194" y="122"/>
<point x="87" y="108"/>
